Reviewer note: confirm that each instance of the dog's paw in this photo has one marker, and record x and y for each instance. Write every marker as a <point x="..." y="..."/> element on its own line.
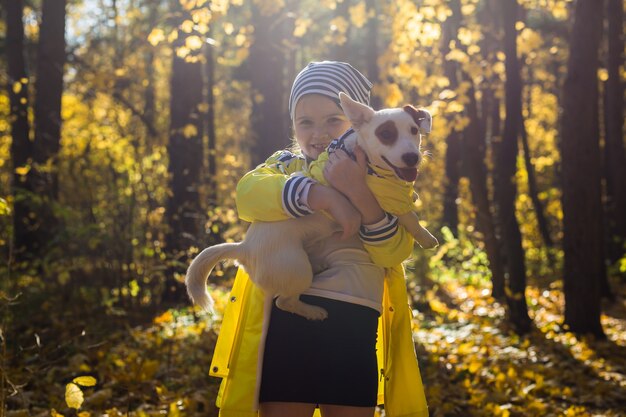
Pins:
<point x="308" y="311"/>
<point x="428" y="242"/>
<point x="314" y="313"/>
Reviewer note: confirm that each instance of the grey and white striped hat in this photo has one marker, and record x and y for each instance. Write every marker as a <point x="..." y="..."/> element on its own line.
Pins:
<point x="329" y="78"/>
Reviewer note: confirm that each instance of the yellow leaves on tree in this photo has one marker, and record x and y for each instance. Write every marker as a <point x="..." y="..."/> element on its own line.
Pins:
<point x="358" y="15"/>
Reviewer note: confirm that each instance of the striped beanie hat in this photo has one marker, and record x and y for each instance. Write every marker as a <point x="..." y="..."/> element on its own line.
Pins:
<point x="329" y="78"/>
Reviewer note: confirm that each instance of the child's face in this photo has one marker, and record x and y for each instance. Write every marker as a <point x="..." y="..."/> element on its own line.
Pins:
<point x="317" y="121"/>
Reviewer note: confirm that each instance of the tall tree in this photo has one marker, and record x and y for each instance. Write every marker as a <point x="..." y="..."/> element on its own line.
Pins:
<point x="506" y="166"/>
<point x="371" y="52"/>
<point x="533" y="189"/>
<point x="210" y="124"/>
<point x="474" y="163"/>
<point x="21" y="146"/>
<point x="453" y="142"/>
<point x="43" y="176"/>
<point x="340" y="51"/>
<point x="580" y="150"/>
<point x="184" y="211"/>
<point x="614" y="143"/>
<point x="266" y="65"/>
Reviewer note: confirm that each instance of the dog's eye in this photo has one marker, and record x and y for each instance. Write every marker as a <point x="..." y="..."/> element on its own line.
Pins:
<point x="414" y="130"/>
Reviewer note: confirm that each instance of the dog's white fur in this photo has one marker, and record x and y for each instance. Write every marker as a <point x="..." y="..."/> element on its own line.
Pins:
<point x="274" y="254"/>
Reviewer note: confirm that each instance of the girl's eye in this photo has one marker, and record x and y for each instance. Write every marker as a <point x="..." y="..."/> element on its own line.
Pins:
<point x="305" y="123"/>
<point x="414" y="130"/>
<point x="334" y="120"/>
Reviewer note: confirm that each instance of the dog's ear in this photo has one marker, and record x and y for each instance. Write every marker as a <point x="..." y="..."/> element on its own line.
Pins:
<point x="422" y="117"/>
<point x="357" y="113"/>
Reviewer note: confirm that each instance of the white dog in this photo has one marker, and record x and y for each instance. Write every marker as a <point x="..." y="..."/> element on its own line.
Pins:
<point x="273" y="253"/>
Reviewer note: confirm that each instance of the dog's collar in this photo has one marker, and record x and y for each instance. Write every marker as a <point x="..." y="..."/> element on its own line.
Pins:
<point x="341" y="144"/>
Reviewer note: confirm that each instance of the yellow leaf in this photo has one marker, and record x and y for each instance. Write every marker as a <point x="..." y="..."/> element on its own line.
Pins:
<point x="358" y="15"/>
<point x="22" y="170"/>
<point x="85" y="381"/>
<point x="73" y="396"/>
<point x="190" y="131"/>
<point x="474" y="366"/>
<point x="193" y="42"/>
<point x="156" y="36"/>
<point x="301" y="26"/>
<point x="54" y="413"/>
<point x="84" y="414"/>
<point x="457" y="55"/>
<point x="17" y="87"/>
<point x="166" y="317"/>
<point x="187" y="26"/>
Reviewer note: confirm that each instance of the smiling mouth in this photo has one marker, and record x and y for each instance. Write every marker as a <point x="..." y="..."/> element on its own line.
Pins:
<point x="321" y="147"/>
<point x="406" y="174"/>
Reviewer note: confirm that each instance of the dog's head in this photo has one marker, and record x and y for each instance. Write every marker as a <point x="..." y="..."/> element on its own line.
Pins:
<point x="391" y="138"/>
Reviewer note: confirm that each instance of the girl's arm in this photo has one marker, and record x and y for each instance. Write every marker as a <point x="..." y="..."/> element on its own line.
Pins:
<point x="386" y="242"/>
<point x="274" y="191"/>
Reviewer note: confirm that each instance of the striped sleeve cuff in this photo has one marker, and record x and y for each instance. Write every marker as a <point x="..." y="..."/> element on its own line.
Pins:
<point x="293" y="201"/>
<point x="380" y="232"/>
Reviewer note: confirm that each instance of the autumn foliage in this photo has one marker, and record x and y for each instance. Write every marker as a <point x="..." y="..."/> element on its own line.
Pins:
<point x="125" y="125"/>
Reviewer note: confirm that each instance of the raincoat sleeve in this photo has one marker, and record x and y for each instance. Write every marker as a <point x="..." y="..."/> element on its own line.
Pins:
<point x="272" y="191"/>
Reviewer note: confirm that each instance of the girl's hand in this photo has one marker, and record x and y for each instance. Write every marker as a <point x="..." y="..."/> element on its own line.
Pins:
<point x="348" y="177"/>
<point x="339" y="207"/>
<point x="345" y="174"/>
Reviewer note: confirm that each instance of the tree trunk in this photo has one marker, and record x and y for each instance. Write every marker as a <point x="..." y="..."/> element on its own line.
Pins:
<point x="149" y="109"/>
<point x="506" y="166"/>
<point x="266" y="65"/>
<point x="21" y="146"/>
<point x="453" y="141"/>
<point x="371" y="52"/>
<point x="184" y="211"/>
<point x="582" y="208"/>
<point x="341" y="51"/>
<point x="48" y="91"/>
<point x="542" y="222"/>
<point x="210" y="127"/>
<point x="614" y="143"/>
<point x="474" y="153"/>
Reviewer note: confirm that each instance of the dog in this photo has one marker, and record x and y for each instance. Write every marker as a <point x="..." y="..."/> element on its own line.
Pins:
<point x="274" y="254"/>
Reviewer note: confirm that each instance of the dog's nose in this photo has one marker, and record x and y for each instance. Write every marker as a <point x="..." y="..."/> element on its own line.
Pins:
<point x="411" y="159"/>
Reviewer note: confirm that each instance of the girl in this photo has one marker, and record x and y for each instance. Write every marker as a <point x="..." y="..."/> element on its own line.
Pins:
<point x="335" y="364"/>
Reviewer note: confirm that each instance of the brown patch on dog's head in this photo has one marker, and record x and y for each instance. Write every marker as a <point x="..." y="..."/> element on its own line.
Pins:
<point x="420" y="116"/>
<point x="387" y="133"/>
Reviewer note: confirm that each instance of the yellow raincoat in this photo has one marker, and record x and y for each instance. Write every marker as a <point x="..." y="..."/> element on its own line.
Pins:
<point x="235" y="358"/>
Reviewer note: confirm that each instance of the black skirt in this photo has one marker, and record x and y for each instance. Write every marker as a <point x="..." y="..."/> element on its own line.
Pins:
<point x="332" y="361"/>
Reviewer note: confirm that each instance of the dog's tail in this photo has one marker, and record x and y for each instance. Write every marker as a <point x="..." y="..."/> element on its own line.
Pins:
<point x="200" y="268"/>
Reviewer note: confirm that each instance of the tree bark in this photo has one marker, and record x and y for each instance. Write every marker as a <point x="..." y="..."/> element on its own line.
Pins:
<point x="341" y="51"/>
<point x="266" y="65"/>
<point x="371" y="52"/>
<point x="474" y="154"/>
<point x="184" y="211"/>
<point x="542" y="222"/>
<point x="210" y="127"/>
<point x="506" y="187"/>
<point x="453" y="141"/>
<point x="47" y="123"/>
<point x="614" y="143"/>
<point x="582" y="208"/>
<point x="21" y="146"/>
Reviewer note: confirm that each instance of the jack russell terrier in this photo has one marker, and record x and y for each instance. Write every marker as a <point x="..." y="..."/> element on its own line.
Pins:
<point x="273" y="253"/>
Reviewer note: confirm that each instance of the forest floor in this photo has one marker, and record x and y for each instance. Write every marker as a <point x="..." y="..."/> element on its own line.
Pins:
<point x="472" y="363"/>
